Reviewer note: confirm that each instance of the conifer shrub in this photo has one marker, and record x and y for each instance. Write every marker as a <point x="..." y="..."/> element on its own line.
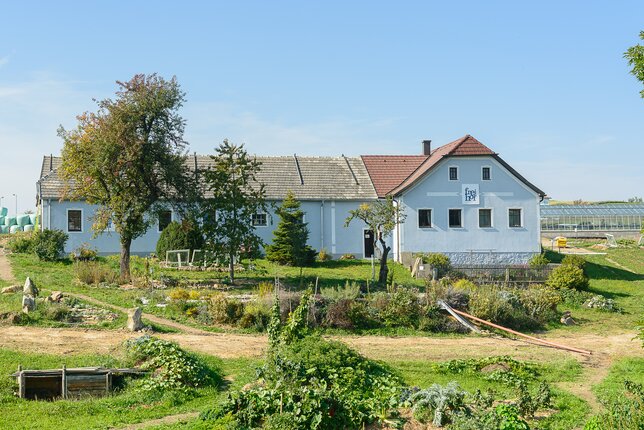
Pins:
<point x="179" y="235"/>
<point x="289" y="244"/>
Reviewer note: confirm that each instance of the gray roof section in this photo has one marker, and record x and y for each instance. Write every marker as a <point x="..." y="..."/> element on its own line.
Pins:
<point x="318" y="178"/>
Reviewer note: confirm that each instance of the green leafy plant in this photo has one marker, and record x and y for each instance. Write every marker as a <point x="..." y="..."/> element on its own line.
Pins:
<point x="171" y="367"/>
<point x="84" y="253"/>
<point x="309" y="382"/>
<point x="438" y="403"/>
<point x="622" y="412"/>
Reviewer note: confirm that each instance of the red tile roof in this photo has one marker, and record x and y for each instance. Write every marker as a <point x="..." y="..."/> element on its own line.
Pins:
<point x="393" y="173"/>
<point x="388" y="171"/>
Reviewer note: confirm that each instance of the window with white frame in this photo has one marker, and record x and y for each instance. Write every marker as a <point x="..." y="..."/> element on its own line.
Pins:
<point x="259" y="220"/>
<point x="514" y="218"/>
<point x="486" y="173"/>
<point x="485" y="218"/>
<point x="165" y="218"/>
<point x="453" y="173"/>
<point x="74" y="220"/>
<point x="424" y="218"/>
<point x="455" y="218"/>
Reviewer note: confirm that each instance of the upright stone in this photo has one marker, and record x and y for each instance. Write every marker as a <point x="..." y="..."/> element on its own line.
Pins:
<point x="28" y="304"/>
<point x="30" y="288"/>
<point x="134" y="322"/>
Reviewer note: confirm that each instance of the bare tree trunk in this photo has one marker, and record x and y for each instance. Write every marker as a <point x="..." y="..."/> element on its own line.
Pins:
<point x="384" y="270"/>
<point x="231" y="267"/>
<point x="125" y="259"/>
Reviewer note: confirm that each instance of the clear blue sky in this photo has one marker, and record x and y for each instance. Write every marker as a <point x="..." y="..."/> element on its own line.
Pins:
<point x="542" y="83"/>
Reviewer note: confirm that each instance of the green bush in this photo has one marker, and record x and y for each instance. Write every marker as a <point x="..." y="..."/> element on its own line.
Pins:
<point x="540" y="303"/>
<point x="84" y="253"/>
<point x="171" y="367"/>
<point x="574" y="260"/>
<point x="225" y="310"/>
<point x="256" y="315"/>
<point x="569" y="276"/>
<point x="176" y="236"/>
<point x="21" y="243"/>
<point x="438" y="261"/>
<point x="350" y="291"/>
<point x="95" y="273"/>
<point x="49" y="245"/>
<point x="323" y="255"/>
<point x="399" y="309"/>
<point x="538" y="261"/>
<point x="338" y="314"/>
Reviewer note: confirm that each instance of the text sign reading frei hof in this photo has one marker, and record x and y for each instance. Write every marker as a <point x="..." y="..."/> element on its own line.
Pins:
<point x="470" y="193"/>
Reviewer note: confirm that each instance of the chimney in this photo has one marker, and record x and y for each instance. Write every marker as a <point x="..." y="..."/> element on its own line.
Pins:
<point x="427" y="147"/>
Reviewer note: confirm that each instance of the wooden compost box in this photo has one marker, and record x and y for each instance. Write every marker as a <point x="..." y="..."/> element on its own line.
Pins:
<point x="67" y="383"/>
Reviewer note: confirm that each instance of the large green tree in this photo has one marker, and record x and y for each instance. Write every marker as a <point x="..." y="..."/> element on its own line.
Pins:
<point x="128" y="158"/>
<point x="381" y="217"/>
<point x="635" y="57"/>
<point x="289" y="245"/>
<point x="233" y="196"/>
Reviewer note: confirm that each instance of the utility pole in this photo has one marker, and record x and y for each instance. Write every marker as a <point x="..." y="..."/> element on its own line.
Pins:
<point x="16" y="196"/>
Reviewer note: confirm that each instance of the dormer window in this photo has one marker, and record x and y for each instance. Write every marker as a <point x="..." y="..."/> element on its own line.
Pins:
<point x="453" y="173"/>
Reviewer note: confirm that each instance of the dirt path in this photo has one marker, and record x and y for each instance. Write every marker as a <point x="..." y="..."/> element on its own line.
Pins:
<point x="150" y="317"/>
<point x="6" y="274"/>
<point x="170" y="419"/>
<point x="606" y="349"/>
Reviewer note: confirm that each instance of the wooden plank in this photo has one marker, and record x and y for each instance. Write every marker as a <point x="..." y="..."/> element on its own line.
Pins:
<point x="64" y="383"/>
<point x="21" y="383"/>
<point x="458" y="318"/>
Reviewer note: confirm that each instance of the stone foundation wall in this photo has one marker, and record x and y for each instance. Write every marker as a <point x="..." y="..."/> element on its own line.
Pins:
<point x="489" y="258"/>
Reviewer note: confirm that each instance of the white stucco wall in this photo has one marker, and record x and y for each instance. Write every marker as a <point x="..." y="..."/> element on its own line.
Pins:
<point x="471" y="244"/>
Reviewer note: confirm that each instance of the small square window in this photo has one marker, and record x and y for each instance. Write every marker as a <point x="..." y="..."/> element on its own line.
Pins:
<point x="486" y="174"/>
<point x="485" y="218"/>
<point x="514" y="216"/>
<point x="455" y="218"/>
<point x="424" y="218"/>
<point x="453" y="173"/>
<point x="165" y="218"/>
<point x="74" y="220"/>
<point x="259" y="220"/>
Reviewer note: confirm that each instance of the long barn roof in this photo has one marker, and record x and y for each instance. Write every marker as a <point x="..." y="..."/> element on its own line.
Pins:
<point x="325" y="178"/>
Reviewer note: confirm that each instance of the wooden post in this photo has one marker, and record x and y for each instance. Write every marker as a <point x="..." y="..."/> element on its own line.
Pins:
<point x="64" y="382"/>
<point x="507" y="276"/>
<point x="21" y="383"/>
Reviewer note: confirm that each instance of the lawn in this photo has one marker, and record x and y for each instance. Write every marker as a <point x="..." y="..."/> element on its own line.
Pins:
<point x="124" y="407"/>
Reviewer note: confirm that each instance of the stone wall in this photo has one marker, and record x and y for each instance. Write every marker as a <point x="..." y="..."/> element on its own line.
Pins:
<point x="489" y="258"/>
